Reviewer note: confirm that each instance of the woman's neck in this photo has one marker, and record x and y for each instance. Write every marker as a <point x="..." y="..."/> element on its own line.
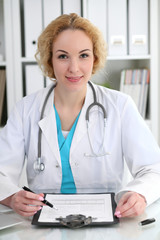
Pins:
<point x="68" y="105"/>
<point x="69" y="99"/>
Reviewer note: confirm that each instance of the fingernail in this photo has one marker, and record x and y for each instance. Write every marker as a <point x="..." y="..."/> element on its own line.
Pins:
<point x="117" y="213"/>
<point x="41" y="198"/>
<point x="119" y="216"/>
<point x="39" y="208"/>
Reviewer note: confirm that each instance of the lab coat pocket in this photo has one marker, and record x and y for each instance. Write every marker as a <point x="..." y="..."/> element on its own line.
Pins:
<point x="96" y="168"/>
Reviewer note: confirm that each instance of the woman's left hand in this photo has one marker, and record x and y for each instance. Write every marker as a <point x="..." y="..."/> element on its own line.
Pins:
<point x="131" y="204"/>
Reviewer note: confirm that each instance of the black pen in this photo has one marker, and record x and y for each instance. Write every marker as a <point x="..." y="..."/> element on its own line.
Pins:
<point x="44" y="201"/>
<point x="147" y="221"/>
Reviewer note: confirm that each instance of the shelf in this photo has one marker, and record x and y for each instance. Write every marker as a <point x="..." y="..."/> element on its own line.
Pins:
<point x="28" y="60"/>
<point x="3" y="63"/>
<point x="129" y="57"/>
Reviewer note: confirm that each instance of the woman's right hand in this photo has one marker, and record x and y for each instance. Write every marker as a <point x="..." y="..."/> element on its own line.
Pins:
<point x="25" y="203"/>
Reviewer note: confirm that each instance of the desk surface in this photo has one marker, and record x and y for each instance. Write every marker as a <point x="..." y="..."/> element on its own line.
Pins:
<point x="127" y="229"/>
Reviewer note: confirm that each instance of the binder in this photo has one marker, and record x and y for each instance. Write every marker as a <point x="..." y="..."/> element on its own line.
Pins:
<point x="144" y="92"/>
<point x="100" y="207"/>
<point x="32" y="25"/>
<point x="52" y="10"/>
<point x="34" y="79"/>
<point x="72" y="6"/>
<point x="2" y="91"/>
<point x="138" y="27"/>
<point x="117" y="27"/>
<point x="2" y="42"/>
<point x="96" y="12"/>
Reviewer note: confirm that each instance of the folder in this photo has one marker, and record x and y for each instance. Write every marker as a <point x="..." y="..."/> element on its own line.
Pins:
<point x="34" y="79"/>
<point x="138" y="27"/>
<point x="32" y="25"/>
<point x="72" y="6"/>
<point x="2" y="42"/>
<point x="100" y="207"/>
<point x="117" y="27"/>
<point x="52" y="10"/>
<point x="96" y="12"/>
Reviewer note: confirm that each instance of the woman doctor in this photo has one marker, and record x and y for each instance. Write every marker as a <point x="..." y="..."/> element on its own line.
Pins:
<point x="75" y="158"/>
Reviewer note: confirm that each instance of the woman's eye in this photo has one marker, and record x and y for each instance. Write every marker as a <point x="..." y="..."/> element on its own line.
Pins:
<point x="62" y="56"/>
<point x="84" y="55"/>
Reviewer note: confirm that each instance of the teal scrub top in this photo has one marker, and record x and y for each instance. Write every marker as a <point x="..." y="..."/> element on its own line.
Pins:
<point x="68" y="184"/>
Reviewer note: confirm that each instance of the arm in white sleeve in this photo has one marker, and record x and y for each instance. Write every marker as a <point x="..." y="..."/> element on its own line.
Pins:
<point x="12" y="153"/>
<point x="142" y="155"/>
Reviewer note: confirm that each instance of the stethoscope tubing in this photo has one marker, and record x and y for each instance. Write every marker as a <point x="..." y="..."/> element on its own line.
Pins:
<point x="38" y="165"/>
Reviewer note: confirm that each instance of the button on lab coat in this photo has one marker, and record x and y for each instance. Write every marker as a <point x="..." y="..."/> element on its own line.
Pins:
<point x="126" y="137"/>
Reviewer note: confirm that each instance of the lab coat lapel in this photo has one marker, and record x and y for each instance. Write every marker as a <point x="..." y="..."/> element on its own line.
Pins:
<point x="48" y="125"/>
<point x="81" y="128"/>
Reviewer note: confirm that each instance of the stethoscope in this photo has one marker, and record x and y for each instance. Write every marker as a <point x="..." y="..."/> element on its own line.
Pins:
<point x="39" y="166"/>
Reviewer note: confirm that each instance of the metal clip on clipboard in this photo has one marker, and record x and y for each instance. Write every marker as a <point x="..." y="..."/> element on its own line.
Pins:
<point x="75" y="221"/>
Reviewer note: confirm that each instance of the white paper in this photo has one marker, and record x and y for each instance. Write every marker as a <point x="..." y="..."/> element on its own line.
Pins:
<point x="98" y="206"/>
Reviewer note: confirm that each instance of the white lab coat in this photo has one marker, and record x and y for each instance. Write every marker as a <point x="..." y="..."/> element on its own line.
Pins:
<point x="126" y="136"/>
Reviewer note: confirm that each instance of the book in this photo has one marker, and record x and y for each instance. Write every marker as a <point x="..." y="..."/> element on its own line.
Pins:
<point x="135" y="82"/>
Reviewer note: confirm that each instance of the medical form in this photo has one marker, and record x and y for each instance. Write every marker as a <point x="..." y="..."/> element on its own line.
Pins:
<point x="98" y="206"/>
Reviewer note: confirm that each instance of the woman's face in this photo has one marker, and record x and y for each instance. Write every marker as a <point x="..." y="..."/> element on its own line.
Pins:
<point x="72" y="59"/>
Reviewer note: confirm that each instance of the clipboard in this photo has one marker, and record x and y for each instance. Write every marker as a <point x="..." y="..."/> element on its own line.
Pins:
<point x="99" y="208"/>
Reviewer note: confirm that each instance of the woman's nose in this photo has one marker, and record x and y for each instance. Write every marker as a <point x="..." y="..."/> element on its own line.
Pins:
<point x="73" y="66"/>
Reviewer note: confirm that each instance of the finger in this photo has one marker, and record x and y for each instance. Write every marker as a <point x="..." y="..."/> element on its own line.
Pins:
<point x="28" y="198"/>
<point x="26" y="213"/>
<point x="33" y="196"/>
<point x="35" y="199"/>
<point x="28" y="208"/>
<point x="124" y="205"/>
<point x="124" y="199"/>
<point x="41" y="194"/>
<point x="128" y="205"/>
<point x="136" y="210"/>
<point x="129" y="212"/>
<point x="32" y="202"/>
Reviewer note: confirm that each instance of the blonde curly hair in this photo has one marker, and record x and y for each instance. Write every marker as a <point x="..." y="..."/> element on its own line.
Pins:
<point x="69" y="21"/>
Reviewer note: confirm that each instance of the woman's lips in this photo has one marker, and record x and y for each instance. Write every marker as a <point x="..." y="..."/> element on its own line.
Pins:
<point x="74" y="79"/>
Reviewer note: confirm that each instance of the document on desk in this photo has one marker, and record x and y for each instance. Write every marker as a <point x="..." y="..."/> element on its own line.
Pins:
<point x="100" y="207"/>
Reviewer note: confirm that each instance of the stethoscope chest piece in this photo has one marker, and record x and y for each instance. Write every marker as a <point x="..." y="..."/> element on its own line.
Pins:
<point x="38" y="166"/>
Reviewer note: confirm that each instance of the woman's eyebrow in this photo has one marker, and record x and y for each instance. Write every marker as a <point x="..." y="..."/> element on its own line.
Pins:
<point x="59" y="50"/>
<point x="85" y="50"/>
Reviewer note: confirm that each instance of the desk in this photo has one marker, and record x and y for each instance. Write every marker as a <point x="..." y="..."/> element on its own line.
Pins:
<point x="127" y="229"/>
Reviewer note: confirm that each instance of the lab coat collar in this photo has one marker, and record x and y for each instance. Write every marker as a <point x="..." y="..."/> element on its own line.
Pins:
<point x="48" y="123"/>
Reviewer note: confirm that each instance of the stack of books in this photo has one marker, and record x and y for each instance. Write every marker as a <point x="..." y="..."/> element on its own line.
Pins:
<point x="136" y="83"/>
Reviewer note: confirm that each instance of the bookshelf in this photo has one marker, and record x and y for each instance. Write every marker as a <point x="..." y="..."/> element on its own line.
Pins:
<point x="16" y="59"/>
